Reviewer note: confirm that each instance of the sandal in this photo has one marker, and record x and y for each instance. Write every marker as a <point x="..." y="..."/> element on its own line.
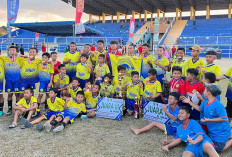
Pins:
<point x="13" y="125"/>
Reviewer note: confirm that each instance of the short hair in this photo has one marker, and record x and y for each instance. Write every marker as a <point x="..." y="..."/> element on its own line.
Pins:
<point x="210" y="76"/>
<point x="55" y="90"/>
<point x="33" y="48"/>
<point x="181" y="49"/>
<point x="53" y="52"/>
<point x="102" y="55"/>
<point x="193" y="71"/>
<point x="152" y="71"/>
<point x="146" y="44"/>
<point x="84" y="55"/>
<point x="87" y="45"/>
<point x="46" y="54"/>
<point x="134" y="73"/>
<point x="101" y="41"/>
<point x="214" y="89"/>
<point x="185" y="108"/>
<point x="161" y="47"/>
<point x="113" y="42"/>
<point x="29" y="88"/>
<point x="132" y="45"/>
<point x="176" y="68"/>
<point x="121" y="67"/>
<point x="73" y="43"/>
<point x="75" y="78"/>
<point x="108" y="75"/>
<point x="175" y="95"/>
<point x="87" y="81"/>
<point x="80" y="93"/>
<point x="13" y="47"/>
<point x="97" y="84"/>
<point x="211" y="52"/>
<point x="61" y="66"/>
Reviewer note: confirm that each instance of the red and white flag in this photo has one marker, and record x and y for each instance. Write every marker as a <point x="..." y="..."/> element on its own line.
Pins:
<point x="79" y="27"/>
<point x="131" y="30"/>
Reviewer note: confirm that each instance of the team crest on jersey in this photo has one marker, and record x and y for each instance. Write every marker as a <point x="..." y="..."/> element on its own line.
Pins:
<point x="128" y="64"/>
<point x="194" y="91"/>
<point x="8" y="90"/>
<point x="177" y="85"/>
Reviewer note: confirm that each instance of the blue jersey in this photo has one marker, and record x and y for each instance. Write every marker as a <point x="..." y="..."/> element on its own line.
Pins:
<point x="174" y="112"/>
<point x="192" y="129"/>
<point x="218" y="131"/>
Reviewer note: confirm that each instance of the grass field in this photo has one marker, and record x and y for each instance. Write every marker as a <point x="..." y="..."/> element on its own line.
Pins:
<point x="92" y="137"/>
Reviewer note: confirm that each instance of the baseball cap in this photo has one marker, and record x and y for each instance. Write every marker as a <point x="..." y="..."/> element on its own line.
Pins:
<point x="195" y="47"/>
<point x="214" y="89"/>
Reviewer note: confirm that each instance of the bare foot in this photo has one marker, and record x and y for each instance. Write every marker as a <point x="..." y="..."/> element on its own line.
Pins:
<point x="165" y="142"/>
<point x="136" y="131"/>
<point x="165" y="148"/>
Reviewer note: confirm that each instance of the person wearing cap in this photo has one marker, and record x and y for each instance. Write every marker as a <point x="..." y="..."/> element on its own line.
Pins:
<point x="195" y="61"/>
<point x="215" y="118"/>
<point x="228" y="75"/>
<point x="210" y="66"/>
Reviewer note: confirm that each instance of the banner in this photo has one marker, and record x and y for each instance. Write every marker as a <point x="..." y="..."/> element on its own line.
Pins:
<point x="131" y="30"/>
<point x="130" y="64"/>
<point x="156" y="31"/>
<point x="79" y="27"/>
<point x="36" y="36"/>
<point x="153" y="112"/>
<point x="12" y="10"/>
<point x="109" y="108"/>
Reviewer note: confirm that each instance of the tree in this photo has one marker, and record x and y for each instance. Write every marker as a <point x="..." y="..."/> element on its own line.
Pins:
<point x="4" y="27"/>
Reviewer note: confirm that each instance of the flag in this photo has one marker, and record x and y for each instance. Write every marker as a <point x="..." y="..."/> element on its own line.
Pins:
<point x="131" y="30"/>
<point x="79" y="27"/>
<point x="36" y="36"/>
<point x="127" y="61"/>
<point x="12" y="10"/>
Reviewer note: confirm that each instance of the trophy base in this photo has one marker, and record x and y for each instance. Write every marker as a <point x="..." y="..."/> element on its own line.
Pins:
<point x="124" y="112"/>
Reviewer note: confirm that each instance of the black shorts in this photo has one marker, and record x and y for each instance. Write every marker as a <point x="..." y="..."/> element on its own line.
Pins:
<point x="229" y="108"/>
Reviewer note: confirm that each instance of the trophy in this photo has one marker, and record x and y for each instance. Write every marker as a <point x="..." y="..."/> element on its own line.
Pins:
<point x="120" y="86"/>
<point x="106" y="88"/>
<point x="136" y="106"/>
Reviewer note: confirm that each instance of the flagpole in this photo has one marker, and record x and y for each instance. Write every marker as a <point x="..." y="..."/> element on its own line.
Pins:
<point x="8" y="38"/>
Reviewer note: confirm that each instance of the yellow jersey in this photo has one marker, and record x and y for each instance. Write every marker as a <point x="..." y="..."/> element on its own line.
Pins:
<point x="26" y="104"/>
<point x="151" y="88"/>
<point x="73" y="92"/>
<point x="29" y="70"/>
<point x="191" y="64"/>
<point x="71" y="67"/>
<point x="106" y="90"/>
<point x="74" y="104"/>
<point x="45" y="72"/>
<point x="228" y="75"/>
<point x="91" y="101"/>
<point x="181" y="64"/>
<point x="97" y="53"/>
<point x="163" y="61"/>
<point x="101" y="70"/>
<point x="134" y="90"/>
<point x="146" y="67"/>
<point x="57" y="105"/>
<point x="213" y="68"/>
<point x="83" y="71"/>
<point x="63" y="82"/>
<point x="2" y="71"/>
<point x="116" y="84"/>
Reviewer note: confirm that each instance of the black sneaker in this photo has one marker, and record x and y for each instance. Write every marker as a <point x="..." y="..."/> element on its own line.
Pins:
<point x="39" y="126"/>
<point x="9" y="112"/>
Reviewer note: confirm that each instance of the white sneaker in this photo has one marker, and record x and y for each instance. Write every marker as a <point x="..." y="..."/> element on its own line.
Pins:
<point x="59" y="128"/>
<point x="48" y="126"/>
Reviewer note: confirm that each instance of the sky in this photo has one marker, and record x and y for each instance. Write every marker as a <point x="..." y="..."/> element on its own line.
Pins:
<point x="57" y="10"/>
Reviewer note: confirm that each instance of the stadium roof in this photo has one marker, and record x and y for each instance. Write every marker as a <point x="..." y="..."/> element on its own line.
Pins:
<point x="64" y="28"/>
<point x="97" y="7"/>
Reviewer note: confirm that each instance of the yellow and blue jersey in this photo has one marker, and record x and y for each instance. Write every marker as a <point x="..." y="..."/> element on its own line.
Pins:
<point x="228" y="75"/>
<point x="83" y="71"/>
<point x="71" y="67"/>
<point x="151" y="88"/>
<point x="101" y="70"/>
<point x="63" y="82"/>
<point x="91" y="101"/>
<point x="45" y="72"/>
<point x="116" y="84"/>
<point x="181" y="64"/>
<point x="213" y="68"/>
<point x="191" y="64"/>
<point x="145" y="66"/>
<point x="97" y="53"/>
<point x="12" y="68"/>
<point x="29" y="71"/>
<point x="73" y="92"/>
<point x="25" y="103"/>
<point x="2" y="71"/>
<point x="106" y="90"/>
<point x="134" y="90"/>
<point x="56" y="105"/>
<point x="163" y="61"/>
<point x="74" y="104"/>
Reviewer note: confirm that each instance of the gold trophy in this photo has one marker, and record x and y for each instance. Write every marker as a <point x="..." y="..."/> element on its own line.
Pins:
<point x="136" y="106"/>
<point x="106" y="88"/>
<point x="120" y="86"/>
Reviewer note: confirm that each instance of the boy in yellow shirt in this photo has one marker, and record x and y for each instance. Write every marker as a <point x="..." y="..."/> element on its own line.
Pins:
<point x="134" y="90"/>
<point x="100" y="50"/>
<point x="27" y="107"/>
<point x="2" y="76"/>
<point x="55" y="105"/>
<point x="73" y="88"/>
<point x="101" y="69"/>
<point x="161" y="65"/>
<point x="83" y="70"/>
<point x="107" y="89"/>
<point x="195" y="61"/>
<point x="72" y="108"/>
<point x="71" y="60"/>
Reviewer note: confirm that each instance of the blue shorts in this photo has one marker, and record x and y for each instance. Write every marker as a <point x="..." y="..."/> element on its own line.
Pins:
<point x="51" y="113"/>
<point x="171" y="130"/>
<point x="82" y="83"/>
<point x="1" y="87"/>
<point x="159" y="78"/>
<point x="102" y="80"/>
<point x="71" y="75"/>
<point x="130" y="105"/>
<point x="12" y="86"/>
<point x="37" y="113"/>
<point x="197" y="149"/>
<point x="67" y="114"/>
<point x="24" y="85"/>
<point x="219" y="146"/>
<point x="43" y="87"/>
